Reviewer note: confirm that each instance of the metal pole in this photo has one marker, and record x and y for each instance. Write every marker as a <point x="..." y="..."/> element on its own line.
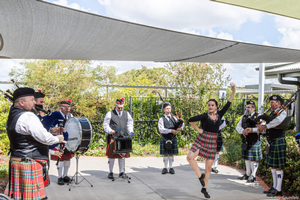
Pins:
<point x="261" y="86"/>
<point x="244" y="105"/>
<point x="130" y="107"/>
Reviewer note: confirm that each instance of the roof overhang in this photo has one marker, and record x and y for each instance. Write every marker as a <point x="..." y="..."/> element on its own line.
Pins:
<point x="35" y="29"/>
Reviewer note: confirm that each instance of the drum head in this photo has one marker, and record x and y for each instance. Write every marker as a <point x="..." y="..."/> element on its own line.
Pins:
<point x="73" y="127"/>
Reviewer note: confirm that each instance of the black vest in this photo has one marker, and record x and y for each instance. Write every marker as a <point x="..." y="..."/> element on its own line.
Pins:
<point x="23" y="145"/>
<point x="169" y="124"/>
<point x="116" y="123"/>
<point x="251" y="137"/>
<point x="274" y="133"/>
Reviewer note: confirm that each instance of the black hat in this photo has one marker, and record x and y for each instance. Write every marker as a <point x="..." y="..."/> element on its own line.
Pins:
<point x="250" y="102"/>
<point x="276" y="98"/>
<point x="120" y="101"/>
<point x="166" y="104"/>
<point x="66" y="103"/>
<point x="39" y="94"/>
<point x="22" y="92"/>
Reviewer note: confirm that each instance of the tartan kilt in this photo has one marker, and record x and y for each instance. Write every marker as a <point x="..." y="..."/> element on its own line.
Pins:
<point x="207" y="145"/>
<point x="110" y="150"/>
<point x="26" y="180"/>
<point x="277" y="155"/>
<point x="253" y="152"/>
<point x="64" y="157"/>
<point x="164" y="151"/>
<point x="219" y="142"/>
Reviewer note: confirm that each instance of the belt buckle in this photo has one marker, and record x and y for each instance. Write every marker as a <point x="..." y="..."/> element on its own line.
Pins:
<point x="25" y="159"/>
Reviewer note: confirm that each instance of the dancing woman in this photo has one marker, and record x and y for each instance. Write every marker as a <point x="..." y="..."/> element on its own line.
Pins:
<point x="205" y="144"/>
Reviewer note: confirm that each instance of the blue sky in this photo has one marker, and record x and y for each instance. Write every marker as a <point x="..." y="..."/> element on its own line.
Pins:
<point x="201" y="17"/>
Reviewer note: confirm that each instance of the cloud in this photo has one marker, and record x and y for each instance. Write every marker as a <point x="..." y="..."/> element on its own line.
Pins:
<point x="71" y="5"/>
<point x="188" y="15"/>
<point x="290" y="31"/>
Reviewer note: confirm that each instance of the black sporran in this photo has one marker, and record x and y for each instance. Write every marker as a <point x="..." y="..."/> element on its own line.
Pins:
<point x="244" y="146"/>
<point x="168" y="145"/>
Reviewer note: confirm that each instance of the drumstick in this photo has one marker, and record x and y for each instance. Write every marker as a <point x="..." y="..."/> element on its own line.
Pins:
<point x="131" y="135"/>
<point x="118" y="130"/>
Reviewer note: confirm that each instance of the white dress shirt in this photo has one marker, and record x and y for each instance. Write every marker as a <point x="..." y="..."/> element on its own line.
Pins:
<point x="161" y="126"/>
<point x="223" y="124"/>
<point x="107" y="119"/>
<point x="29" y="124"/>
<point x="239" y="127"/>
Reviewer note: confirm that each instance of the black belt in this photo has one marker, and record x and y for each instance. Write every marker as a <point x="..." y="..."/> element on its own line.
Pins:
<point x="24" y="159"/>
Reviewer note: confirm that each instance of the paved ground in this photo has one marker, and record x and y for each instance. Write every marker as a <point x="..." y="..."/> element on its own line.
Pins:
<point x="147" y="182"/>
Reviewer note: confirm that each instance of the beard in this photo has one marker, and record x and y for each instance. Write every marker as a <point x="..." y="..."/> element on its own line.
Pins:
<point x="34" y="111"/>
<point x="247" y="113"/>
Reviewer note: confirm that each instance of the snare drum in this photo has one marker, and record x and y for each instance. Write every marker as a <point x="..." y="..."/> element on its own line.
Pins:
<point x="122" y="145"/>
<point x="80" y="134"/>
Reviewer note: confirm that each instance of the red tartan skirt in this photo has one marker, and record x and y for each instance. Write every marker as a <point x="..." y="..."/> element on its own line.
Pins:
<point x="64" y="157"/>
<point x="207" y="145"/>
<point x="110" y="150"/>
<point x="26" y="180"/>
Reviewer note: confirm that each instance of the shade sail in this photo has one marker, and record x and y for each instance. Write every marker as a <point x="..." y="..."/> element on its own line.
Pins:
<point x="288" y="8"/>
<point x="33" y="29"/>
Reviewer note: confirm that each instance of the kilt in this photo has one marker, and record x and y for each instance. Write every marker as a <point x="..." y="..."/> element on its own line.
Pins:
<point x="164" y="151"/>
<point x="110" y="150"/>
<point x="219" y="142"/>
<point x="253" y="152"/>
<point x="64" y="157"/>
<point x="277" y="155"/>
<point x="26" y="180"/>
<point x="207" y="145"/>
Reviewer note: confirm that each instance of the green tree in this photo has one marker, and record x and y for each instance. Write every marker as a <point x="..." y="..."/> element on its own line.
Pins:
<point x="66" y="79"/>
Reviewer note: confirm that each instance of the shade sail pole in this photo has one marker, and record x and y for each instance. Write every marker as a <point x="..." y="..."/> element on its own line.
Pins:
<point x="261" y="86"/>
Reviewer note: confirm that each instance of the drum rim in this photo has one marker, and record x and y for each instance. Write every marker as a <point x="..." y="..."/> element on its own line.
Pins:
<point x="88" y="146"/>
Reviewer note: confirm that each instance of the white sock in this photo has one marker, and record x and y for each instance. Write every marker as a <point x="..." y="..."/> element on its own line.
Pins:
<point x="279" y="174"/>
<point x="165" y="159"/>
<point x="60" y="168"/>
<point x="274" y="178"/>
<point x="248" y="167"/>
<point x="171" y="160"/>
<point x="121" y="165"/>
<point x="215" y="165"/>
<point x="67" y="164"/>
<point x="111" y="162"/>
<point x="254" y="167"/>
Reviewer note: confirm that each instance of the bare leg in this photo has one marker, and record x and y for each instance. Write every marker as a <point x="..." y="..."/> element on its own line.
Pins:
<point x="191" y="159"/>
<point x="6" y="190"/>
<point x="208" y="165"/>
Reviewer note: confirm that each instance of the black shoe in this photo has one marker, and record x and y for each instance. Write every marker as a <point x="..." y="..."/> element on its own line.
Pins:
<point x="203" y="190"/>
<point x="67" y="179"/>
<point x="270" y="190"/>
<point x="111" y="175"/>
<point x="164" y="171"/>
<point x="274" y="193"/>
<point x="61" y="181"/>
<point x="123" y="175"/>
<point x="214" y="169"/>
<point x="251" y="179"/>
<point x="201" y="179"/>
<point x="45" y="198"/>
<point x="171" y="171"/>
<point x="244" y="177"/>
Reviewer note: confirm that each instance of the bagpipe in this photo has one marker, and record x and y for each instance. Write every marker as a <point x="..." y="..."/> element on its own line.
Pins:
<point x="9" y="96"/>
<point x="269" y="117"/>
<point x="177" y="119"/>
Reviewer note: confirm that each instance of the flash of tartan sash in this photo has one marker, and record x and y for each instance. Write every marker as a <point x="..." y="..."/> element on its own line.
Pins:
<point x="277" y="155"/>
<point x="164" y="151"/>
<point x="110" y="149"/>
<point x="207" y="145"/>
<point x="64" y="157"/>
<point x="26" y="180"/>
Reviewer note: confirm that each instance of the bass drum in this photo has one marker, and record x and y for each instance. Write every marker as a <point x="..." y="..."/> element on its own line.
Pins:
<point x="80" y="134"/>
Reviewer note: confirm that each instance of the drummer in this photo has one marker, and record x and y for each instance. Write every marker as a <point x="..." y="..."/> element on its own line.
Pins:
<point x="65" y="161"/>
<point x="117" y="123"/>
